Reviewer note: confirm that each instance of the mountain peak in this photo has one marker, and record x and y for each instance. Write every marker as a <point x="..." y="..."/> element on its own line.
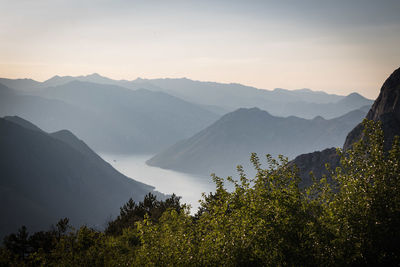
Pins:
<point x="385" y="109"/>
<point x="252" y="112"/>
<point x="22" y="122"/>
<point x="354" y="99"/>
<point x="55" y="77"/>
<point x="94" y="77"/>
<point x="65" y="133"/>
<point x="318" y="118"/>
<point x="95" y="74"/>
<point x="57" y="80"/>
<point x="388" y="100"/>
<point x="354" y="95"/>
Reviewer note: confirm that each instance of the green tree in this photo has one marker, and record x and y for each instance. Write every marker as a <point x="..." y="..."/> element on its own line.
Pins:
<point x="18" y="243"/>
<point x="365" y="211"/>
<point x="130" y="212"/>
<point x="268" y="220"/>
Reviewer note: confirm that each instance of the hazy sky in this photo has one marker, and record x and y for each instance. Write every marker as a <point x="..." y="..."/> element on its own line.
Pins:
<point x="335" y="46"/>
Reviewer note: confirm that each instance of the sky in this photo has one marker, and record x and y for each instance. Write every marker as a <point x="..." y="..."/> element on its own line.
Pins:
<point x="334" y="46"/>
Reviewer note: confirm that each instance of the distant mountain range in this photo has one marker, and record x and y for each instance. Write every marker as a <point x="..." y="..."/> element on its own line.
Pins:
<point x="303" y="103"/>
<point x="222" y="98"/>
<point x="45" y="177"/>
<point x="230" y="141"/>
<point x="385" y="109"/>
<point x="109" y="118"/>
<point x="119" y="116"/>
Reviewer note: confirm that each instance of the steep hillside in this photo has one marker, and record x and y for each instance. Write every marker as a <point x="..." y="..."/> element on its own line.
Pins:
<point x="230" y="141"/>
<point x="142" y="120"/>
<point x="45" y="177"/>
<point x="385" y="109"/>
<point x="110" y="118"/>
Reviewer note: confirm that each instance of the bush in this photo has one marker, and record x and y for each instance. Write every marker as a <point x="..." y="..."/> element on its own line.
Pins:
<point x="264" y="221"/>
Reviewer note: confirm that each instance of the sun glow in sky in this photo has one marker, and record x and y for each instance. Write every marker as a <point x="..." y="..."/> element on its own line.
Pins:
<point x="334" y="46"/>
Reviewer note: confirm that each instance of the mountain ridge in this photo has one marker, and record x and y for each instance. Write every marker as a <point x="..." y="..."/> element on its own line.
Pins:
<point x="386" y="109"/>
<point x="231" y="96"/>
<point x="44" y="179"/>
<point x="109" y="118"/>
<point x="230" y="140"/>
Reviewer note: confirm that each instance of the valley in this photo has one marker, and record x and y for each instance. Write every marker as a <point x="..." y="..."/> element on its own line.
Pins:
<point x="189" y="186"/>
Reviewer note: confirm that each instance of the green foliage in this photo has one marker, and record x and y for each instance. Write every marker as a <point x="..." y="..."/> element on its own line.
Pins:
<point x="267" y="220"/>
<point x="130" y="213"/>
<point x="366" y="208"/>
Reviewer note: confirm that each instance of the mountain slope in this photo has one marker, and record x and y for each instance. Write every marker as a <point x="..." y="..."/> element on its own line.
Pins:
<point x="302" y="103"/>
<point x="45" y="177"/>
<point x="385" y="109"/>
<point x="223" y="97"/>
<point x="110" y="118"/>
<point x="230" y="141"/>
<point x="53" y="115"/>
<point x="148" y="121"/>
<point x="234" y="94"/>
<point x="27" y="85"/>
<point x="24" y="123"/>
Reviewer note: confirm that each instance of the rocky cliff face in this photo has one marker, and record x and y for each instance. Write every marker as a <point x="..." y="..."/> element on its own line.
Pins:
<point x="389" y="98"/>
<point x="315" y="163"/>
<point x="385" y="109"/>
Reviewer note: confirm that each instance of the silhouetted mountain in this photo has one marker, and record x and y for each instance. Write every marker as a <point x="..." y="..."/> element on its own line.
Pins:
<point x="385" y="109"/>
<point x="222" y="98"/>
<point x="308" y="95"/>
<point x="354" y="99"/>
<point x="230" y="141"/>
<point x="53" y="115"/>
<point x="96" y="78"/>
<point x="32" y="86"/>
<point x="330" y="110"/>
<point x="61" y="80"/>
<point x="279" y="102"/>
<point x="145" y="121"/>
<point x="26" y="85"/>
<point x="23" y="123"/>
<point x="45" y="177"/>
<point x="233" y="94"/>
<point x="111" y="118"/>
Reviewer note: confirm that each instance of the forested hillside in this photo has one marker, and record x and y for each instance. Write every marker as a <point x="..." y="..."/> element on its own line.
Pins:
<point x="267" y="220"/>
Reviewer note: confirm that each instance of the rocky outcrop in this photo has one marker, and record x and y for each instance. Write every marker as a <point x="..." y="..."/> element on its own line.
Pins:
<point x="315" y="162"/>
<point x="385" y="109"/>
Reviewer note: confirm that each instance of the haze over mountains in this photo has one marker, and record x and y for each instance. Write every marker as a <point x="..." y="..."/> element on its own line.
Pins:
<point x="49" y="176"/>
<point x="231" y="140"/>
<point x="45" y="177"/>
<point x="110" y="118"/>
<point x="303" y="103"/>
<point x="386" y="109"/>
<point x="222" y="98"/>
<point x="122" y="117"/>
